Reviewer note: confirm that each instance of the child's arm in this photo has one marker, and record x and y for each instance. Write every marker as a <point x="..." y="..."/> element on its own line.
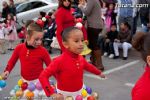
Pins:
<point x="89" y="67"/>
<point x="11" y="63"/>
<point x="46" y="57"/>
<point x="44" y="78"/>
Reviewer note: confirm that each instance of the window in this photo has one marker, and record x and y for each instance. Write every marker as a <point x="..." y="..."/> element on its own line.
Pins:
<point x="23" y="7"/>
<point x="37" y="4"/>
<point x="53" y="1"/>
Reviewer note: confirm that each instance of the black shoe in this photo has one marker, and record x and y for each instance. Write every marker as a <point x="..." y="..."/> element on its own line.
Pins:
<point x="125" y="58"/>
<point x="116" y="57"/>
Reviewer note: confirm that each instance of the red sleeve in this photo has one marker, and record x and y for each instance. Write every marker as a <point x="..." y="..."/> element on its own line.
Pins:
<point x="59" y="23"/>
<point x="89" y="67"/>
<point x="13" y="59"/>
<point x="46" y="57"/>
<point x="44" y="78"/>
<point x="140" y="96"/>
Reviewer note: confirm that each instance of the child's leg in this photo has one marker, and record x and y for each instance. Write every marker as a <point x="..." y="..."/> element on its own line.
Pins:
<point x="111" y="48"/>
<point x="3" y="46"/>
<point x="125" y="47"/>
<point x="116" y="48"/>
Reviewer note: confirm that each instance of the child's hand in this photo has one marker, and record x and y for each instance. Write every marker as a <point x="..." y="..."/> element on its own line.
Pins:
<point x="102" y="75"/>
<point x="107" y="40"/>
<point x="116" y="40"/>
<point x="57" y="97"/>
<point x="5" y="75"/>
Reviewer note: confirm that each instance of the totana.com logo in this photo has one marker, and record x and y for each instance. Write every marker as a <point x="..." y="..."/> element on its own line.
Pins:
<point x="134" y="6"/>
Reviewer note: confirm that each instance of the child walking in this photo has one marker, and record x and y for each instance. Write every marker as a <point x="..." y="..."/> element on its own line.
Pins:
<point x="11" y="36"/>
<point x="141" y="90"/>
<point x="68" y="67"/>
<point x="31" y="55"/>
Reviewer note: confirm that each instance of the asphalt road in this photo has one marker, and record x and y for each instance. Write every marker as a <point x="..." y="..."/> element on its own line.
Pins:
<point x="121" y="76"/>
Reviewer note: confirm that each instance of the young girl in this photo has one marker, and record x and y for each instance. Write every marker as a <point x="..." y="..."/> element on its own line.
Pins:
<point x="110" y="16"/>
<point x="68" y="68"/>
<point x="11" y="36"/>
<point x="141" y="90"/>
<point x="31" y="55"/>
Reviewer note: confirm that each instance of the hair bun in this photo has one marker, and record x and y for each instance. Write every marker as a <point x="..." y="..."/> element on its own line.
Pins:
<point x="138" y="41"/>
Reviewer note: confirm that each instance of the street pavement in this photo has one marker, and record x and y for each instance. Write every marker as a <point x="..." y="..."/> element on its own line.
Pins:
<point x="121" y="76"/>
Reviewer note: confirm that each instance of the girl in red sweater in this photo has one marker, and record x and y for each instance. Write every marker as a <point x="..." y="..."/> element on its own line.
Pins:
<point x="141" y="90"/>
<point x="31" y="55"/>
<point x="68" y="68"/>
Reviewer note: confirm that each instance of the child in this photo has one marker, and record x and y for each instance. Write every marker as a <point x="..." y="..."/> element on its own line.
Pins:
<point x="11" y="36"/>
<point x="110" y="37"/>
<point x="123" y="41"/>
<point x="68" y="68"/>
<point x="141" y="90"/>
<point x="110" y="16"/>
<point x="2" y="38"/>
<point x="31" y="55"/>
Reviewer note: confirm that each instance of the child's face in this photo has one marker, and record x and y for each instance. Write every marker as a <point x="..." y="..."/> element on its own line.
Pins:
<point x="113" y="28"/>
<point x="8" y="17"/>
<point x="148" y="60"/>
<point x="111" y="6"/>
<point x="74" y="42"/>
<point x="122" y="26"/>
<point x="36" y="39"/>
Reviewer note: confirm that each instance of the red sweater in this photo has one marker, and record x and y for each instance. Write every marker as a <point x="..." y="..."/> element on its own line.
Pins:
<point x="68" y="70"/>
<point x="64" y="19"/>
<point x="31" y="61"/>
<point x="141" y="90"/>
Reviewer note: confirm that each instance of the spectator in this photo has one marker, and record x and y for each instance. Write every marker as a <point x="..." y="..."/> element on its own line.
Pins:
<point x="108" y="44"/>
<point x="5" y="10"/>
<point x="110" y="16"/>
<point x="12" y="8"/>
<point x="11" y="34"/>
<point x="125" y="14"/>
<point x="144" y="13"/>
<point x="2" y="38"/>
<point x="92" y="10"/>
<point x="123" y="40"/>
<point x="64" y="19"/>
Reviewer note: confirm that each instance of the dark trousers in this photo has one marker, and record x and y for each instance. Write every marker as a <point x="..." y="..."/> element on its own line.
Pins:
<point x="108" y="47"/>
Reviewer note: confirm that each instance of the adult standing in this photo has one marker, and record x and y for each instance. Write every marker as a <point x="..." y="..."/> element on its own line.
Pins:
<point x="144" y="14"/>
<point x="92" y="10"/>
<point x="5" y="10"/>
<point x="125" y="12"/>
<point x="64" y="19"/>
<point x="12" y="8"/>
